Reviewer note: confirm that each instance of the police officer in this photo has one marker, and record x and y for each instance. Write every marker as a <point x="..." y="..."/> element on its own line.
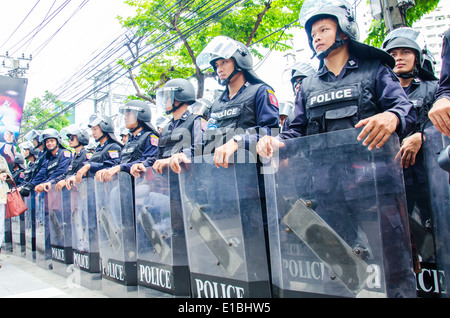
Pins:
<point x="143" y="141"/>
<point x="440" y="113"/>
<point x="78" y="138"/>
<point x="19" y="167"/>
<point x="299" y="72"/>
<point x="182" y="137"/>
<point x="35" y="137"/>
<point x="107" y="153"/>
<point x="246" y="109"/>
<point x="124" y="134"/>
<point x="354" y="87"/>
<point x="286" y="112"/>
<point x="30" y="154"/>
<point x="57" y="161"/>
<point x="414" y="67"/>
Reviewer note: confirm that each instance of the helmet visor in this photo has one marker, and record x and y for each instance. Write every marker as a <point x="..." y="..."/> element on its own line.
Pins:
<point x="94" y="120"/>
<point x="221" y="47"/>
<point x="31" y="135"/>
<point x="130" y="115"/>
<point x="165" y="97"/>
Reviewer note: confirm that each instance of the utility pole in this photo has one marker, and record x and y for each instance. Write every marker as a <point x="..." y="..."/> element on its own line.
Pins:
<point x="392" y="11"/>
<point x="15" y="65"/>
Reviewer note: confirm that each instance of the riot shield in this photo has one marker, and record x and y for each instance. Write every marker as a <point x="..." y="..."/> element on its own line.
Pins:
<point x="337" y="219"/>
<point x="116" y="234"/>
<point x="43" y="250"/>
<point x="436" y="151"/>
<point x="86" y="255"/>
<point x="60" y="230"/>
<point x="161" y="243"/>
<point x="224" y="229"/>
<point x="30" y="227"/>
<point x="18" y="234"/>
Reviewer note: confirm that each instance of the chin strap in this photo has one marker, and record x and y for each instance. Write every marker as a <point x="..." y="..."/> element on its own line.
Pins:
<point x="168" y="112"/>
<point x="226" y="81"/>
<point x="137" y="127"/>
<point x="338" y="43"/>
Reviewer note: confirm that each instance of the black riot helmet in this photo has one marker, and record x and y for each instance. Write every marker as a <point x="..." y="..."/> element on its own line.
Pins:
<point x="407" y="37"/>
<point x="223" y="47"/>
<point x="34" y="135"/>
<point x="301" y="71"/>
<point x="315" y="10"/>
<point x="19" y="160"/>
<point x="76" y="130"/>
<point x="106" y="125"/>
<point x="139" y="111"/>
<point x="52" y="133"/>
<point x="178" y="89"/>
<point x="32" y="151"/>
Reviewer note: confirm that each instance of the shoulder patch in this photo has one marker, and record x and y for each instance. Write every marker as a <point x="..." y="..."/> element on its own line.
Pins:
<point x="113" y="154"/>
<point x="67" y="154"/>
<point x="203" y="123"/>
<point x="272" y="98"/>
<point x="154" y="140"/>
<point x="88" y="155"/>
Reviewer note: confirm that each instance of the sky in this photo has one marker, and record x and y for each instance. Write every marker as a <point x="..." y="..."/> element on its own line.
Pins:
<point x="89" y="29"/>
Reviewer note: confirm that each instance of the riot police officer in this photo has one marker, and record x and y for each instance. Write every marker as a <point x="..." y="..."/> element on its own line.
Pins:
<point x="354" y="87"/>
<point x="143" y="140"/>
<point x="30" y="154"/>
<point x="19" y="167"/>
<point x="124" y="134"/>
<point x="414" y="67"/>
<point x="299" y="72"/>
<point x="440" y="113"/>
<point x="246" y="109"/>
<point x="58" y="159"/>
<point x="286" y="112"/>
<point x="107" y="153"/>
<point x="78" y="138"/>
<point x="35" y="137"/>
<point x="182" y="137"/>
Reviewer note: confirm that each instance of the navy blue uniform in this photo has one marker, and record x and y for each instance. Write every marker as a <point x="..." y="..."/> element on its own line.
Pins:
<point x="149" y="153"/>
<point x="105" y="156"/>
<point x="389" y="94"/>
<point x="53" y="166"/>
<point x="77" y="162"/>
<point x="266" y="112"/>
<point x="198" y="127"/>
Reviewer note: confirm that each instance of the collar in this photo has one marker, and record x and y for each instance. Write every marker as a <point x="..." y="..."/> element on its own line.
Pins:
<point x="352" y="63"/>
<point x="225" y="95"/>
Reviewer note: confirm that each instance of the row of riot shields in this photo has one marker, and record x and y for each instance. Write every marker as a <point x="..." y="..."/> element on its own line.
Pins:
<point x="324" y="217"/>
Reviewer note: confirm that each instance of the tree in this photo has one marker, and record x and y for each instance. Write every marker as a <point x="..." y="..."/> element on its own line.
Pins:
<point x="38" y="111"/>
<point x="377" y="31"/>
<point x="177" y="31"/>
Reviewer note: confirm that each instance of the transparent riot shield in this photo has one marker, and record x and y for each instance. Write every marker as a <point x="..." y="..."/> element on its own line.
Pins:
<point x="337" y="219"/>
<point x="7" y="246"/>
<point x="224" y="229"/>
<point x="161" y="243"/>
<point x="116" y="233"/>
<point x="18" y="234"/>
<point x="43" y="250"/>
<point x="30" y="227"/>
<point x="85" y="247"/>
<point x="60" y="230"/>
<point x="436" y="152"/>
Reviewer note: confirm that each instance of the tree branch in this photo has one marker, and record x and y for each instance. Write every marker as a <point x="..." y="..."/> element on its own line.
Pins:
<point x="267" y="6"/>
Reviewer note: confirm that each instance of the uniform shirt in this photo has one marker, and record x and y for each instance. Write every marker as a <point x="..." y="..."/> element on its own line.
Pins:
<point x="112" y="158"/>
<point x="266" y="112"/>
<point x="150" y="150"/>
<point x="77" y="162"/>
<point x="198" y="128"/>
<point x="44" y="176"/>
<point x="444" y="81"/>
<point x="389" y="93"/>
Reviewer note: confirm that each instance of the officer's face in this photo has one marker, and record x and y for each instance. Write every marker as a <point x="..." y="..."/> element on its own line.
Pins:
<point x="323" y="33"/>
<point x="26" y="153"/>
<point x="404" y="60"/>
<point x="224" y="68"/>
<point x="50" y="143"/>
<point x="130" y="119"/>
<point x="96" y="132"/>
<point x="73" y="141"/>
